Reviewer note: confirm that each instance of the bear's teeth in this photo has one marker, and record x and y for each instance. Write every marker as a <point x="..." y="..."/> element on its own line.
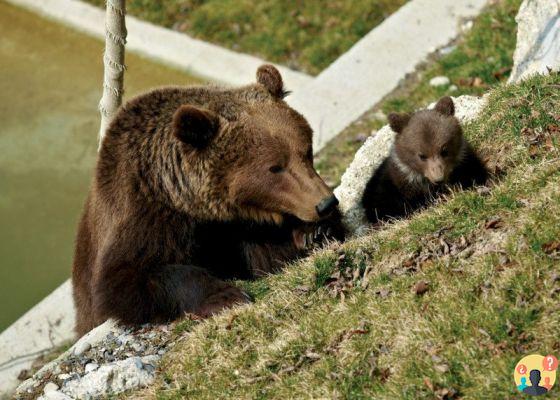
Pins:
<point x="310" y="239"/>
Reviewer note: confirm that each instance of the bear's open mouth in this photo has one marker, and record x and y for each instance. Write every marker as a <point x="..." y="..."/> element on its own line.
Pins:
<point x="309" y="236"/>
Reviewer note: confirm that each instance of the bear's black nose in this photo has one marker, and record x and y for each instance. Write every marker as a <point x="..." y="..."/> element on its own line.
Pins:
<point x="326" y="206"/>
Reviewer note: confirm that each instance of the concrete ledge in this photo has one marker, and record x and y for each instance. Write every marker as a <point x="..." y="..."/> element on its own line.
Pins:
<point x="375" y="65"/>
<point x="199" y="58"/>
<point x="46" y="326"/>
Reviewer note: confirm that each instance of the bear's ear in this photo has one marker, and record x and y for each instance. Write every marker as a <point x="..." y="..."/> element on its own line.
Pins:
<point x="195" y="126"/>
<point x="445" y="106"/>
<point x="398" y="122"/>
<point x="270" y="78"/>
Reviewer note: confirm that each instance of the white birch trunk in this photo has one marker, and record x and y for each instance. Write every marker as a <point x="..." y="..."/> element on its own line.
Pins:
<point x="113" y="60"/>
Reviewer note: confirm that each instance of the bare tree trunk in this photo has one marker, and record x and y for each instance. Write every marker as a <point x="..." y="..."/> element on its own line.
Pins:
<point x="113" y="60"/>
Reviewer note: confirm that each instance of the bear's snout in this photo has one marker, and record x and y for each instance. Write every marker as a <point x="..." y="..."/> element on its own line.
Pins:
<point x="326" y="206"/>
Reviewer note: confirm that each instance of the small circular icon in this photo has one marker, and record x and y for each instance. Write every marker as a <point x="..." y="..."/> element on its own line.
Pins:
<point x="550" y="363"/>
<point x="535" y="375"/>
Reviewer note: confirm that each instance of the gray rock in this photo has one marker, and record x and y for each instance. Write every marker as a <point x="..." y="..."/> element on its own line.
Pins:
<point x="138" y="362"/>
<point x="437" y="81"/>
<point x="538" y="39"/>
<point x="355" y="178"/>
<point x="102" y="364"/>
<point x="467" y="26"/>
<point x="138" y="347"/>
<point x="55" y="395"/>
<point x="50" y="387"/>
<point x="90" y="367"/>
<point x="112" y="378"/>
<point x="447" y="49"/>
<point x="369" y="157"/>
<point x="81" y="347"/>
<point x="467" y="108"/>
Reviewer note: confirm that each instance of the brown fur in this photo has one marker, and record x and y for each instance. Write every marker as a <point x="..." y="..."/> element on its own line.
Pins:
<point x="192" y="185"/>
<point x="429" y="153"/>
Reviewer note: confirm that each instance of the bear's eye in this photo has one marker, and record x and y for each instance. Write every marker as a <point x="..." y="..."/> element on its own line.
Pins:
<point x="275" y="169"/>
<point x="422" y="157"/>
<point x="444" y="153"/>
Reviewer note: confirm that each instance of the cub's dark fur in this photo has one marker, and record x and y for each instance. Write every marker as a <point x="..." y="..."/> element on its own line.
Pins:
<point x="194" y="186"/>
<point x="429" y="154"/>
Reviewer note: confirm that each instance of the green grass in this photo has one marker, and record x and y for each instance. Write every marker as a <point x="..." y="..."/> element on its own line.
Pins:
<point x="484" y="54"/>
<point x="348" y="321"/>
<point x="305" y="35"/>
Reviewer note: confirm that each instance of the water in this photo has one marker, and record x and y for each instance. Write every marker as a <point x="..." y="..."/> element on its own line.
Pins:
<point x="50" y="84"/>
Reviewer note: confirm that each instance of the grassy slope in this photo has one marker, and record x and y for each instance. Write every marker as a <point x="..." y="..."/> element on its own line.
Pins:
<point x="306" y="35"/>
<point x="485" y="52"/>
<point x="348" y="323"/>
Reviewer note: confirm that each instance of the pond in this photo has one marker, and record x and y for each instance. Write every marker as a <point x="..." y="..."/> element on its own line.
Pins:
<point x="50" y="85"/>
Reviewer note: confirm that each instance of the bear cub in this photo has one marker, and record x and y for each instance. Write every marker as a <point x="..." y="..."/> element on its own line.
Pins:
<point x="429" y="155"/>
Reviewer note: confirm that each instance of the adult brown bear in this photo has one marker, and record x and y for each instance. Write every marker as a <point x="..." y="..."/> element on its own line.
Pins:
<point x="193" y="186"/>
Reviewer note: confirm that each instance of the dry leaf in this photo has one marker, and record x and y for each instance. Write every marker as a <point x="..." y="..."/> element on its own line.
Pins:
<point x="421" y="287"/>
<point x="385" y="373"/>
<point x="499" y="74"/>
<point x="478" y="82"/>
<point x="551" y="247"/>
<point x="494" y="223"/>
<point x="553" y="129"/>
<point x="231" y="321"/>
<point x="428" y="383"/>
<point x="446" y="394"/>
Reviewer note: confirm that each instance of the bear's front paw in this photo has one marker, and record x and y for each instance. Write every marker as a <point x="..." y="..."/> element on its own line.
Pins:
<point x="226" y="298"/>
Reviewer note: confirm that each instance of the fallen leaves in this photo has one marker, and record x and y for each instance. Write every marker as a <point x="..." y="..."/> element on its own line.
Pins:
<point x="502" y="72"/>
<point x="446" y="394"/>
<point x="350" y="272"/>
<point x="505" y="262"/>
<point x="421" y="288"/>
<point x="435" y="248"/>
<point x="342" y="337"/>
<point x="441" y="393"/>
<point x="428" y="383"/>
<point x="552" y="247"/>
<point x="494" y="223"/>
<point x="375" y="371"/>
<point x="539" y="139"/>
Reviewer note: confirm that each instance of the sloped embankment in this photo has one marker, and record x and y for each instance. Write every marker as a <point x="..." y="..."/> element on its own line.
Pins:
<point x="441" y="305"/>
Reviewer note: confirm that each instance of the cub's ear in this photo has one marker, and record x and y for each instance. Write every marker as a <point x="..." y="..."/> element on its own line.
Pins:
<point x="270" y="78"/>
<point x="195" y="126"/>
<point x="445" y="106"/>
<point x="398" y="122"/>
